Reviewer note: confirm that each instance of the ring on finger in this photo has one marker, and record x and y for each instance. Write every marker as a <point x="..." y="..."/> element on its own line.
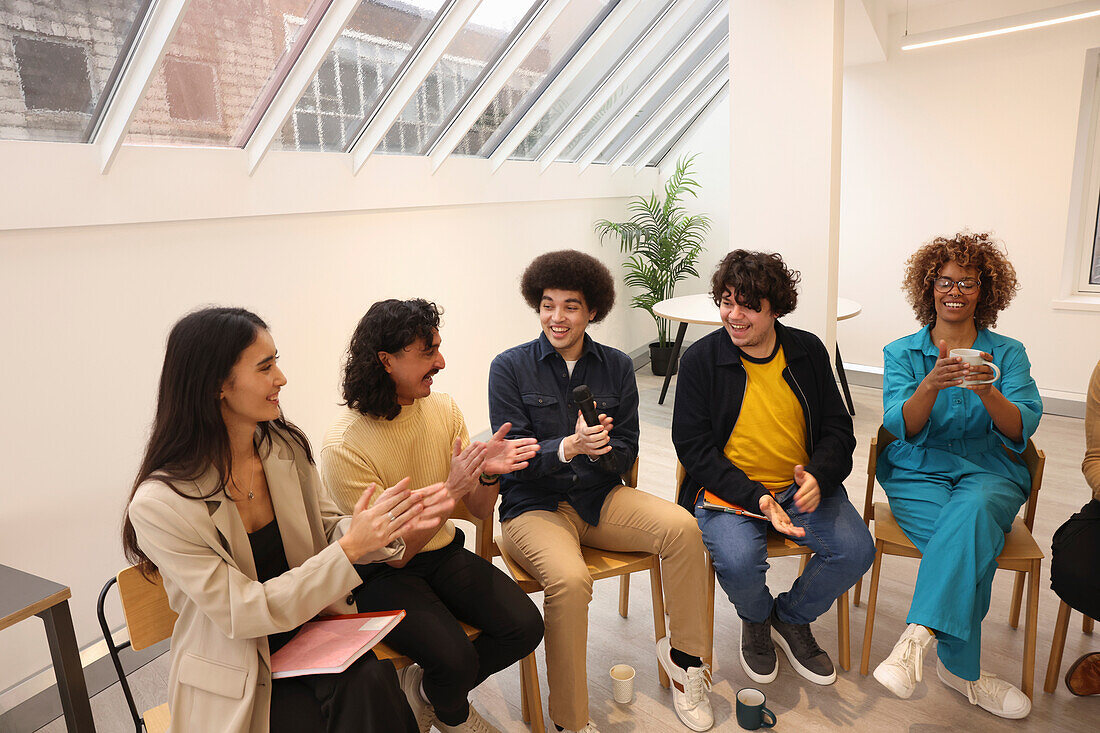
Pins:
<point x="392" y="518"/>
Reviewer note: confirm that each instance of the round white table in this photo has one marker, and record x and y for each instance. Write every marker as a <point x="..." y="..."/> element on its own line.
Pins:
<point x="701" y="309"/>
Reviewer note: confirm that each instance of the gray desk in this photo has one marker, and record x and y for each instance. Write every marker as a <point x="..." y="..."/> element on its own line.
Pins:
<point x="25" y="595"/>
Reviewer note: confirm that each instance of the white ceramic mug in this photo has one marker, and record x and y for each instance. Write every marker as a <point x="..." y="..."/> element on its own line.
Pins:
<point x="973" y="357"/>
<point x="622" y="683"/>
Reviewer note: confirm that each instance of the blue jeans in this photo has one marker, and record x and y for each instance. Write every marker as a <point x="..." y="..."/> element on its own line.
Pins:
<point x="843" y="550"/>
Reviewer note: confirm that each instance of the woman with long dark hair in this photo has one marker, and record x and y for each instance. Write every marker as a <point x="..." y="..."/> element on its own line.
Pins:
<point x="228" y="507"/>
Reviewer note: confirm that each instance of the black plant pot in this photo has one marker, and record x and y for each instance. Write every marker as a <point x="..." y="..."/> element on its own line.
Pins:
<point x="659" y="358"/>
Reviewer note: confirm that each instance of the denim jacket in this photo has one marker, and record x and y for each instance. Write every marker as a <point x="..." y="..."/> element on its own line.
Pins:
<point x="530" y="387"/>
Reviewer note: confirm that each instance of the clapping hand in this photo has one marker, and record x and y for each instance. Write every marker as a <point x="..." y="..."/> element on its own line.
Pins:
<point x="466" y="466"/>
<point x="808" y="495"/>
<point x="505" y="456"/>
<point x="779" y="519"/>
<point x="373" y="526"/>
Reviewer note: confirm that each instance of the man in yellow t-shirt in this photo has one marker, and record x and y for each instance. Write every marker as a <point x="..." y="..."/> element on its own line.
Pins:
<point x="393" y="427"/>
<point x="759" y="424"/>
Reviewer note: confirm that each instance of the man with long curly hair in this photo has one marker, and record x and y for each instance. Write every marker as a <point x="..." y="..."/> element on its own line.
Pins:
<point x="759" y="425"/>
<point x="395" y="426"/>
<point x="953" y="476"/>
<point x="572" y="493"/>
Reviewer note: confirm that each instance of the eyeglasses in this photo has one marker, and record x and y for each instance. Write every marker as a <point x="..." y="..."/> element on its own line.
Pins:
<point x="967" y="285"/>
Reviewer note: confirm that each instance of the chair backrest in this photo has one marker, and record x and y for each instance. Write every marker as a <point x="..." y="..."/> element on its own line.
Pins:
<point x="1033" y="458"/>
<point x="630" y="478"/>
<point x="149" y="618"/>
<point x="483" y="537"/>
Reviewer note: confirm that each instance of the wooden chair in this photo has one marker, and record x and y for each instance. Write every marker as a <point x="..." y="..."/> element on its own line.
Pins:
<point x="149" y="620"/>
<point x="1020" y="554"/>
<point x="1058" y="643"/>
<point x="601" y="564"/>
<point x="778" y="546"/>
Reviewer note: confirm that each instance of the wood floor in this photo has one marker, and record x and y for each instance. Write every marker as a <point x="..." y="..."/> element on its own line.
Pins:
<point x="854" y="701"/>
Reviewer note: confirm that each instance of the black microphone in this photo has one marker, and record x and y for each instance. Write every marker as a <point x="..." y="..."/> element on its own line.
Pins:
<point x="582" y="396"/>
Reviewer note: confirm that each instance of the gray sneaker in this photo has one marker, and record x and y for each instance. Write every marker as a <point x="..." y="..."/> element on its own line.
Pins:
<point x="800" y="646"/>
<point x="757" y="652"/>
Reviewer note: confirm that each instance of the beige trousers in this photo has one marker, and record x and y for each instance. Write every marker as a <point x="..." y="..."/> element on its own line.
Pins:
<point x="547" y="544"/>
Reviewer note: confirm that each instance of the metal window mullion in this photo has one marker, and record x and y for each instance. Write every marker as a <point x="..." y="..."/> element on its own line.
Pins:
<point x="676" y="129"/>
<point x="493" y="80"/>
<point x="449" y="23"/>
<point x="634" y="58"/>
<point x="644" y="95"/>
<point x="561" y="82"/>
<point x="661" y="117"/>
<point x="332" y="22"/>
<point x="160" y="25"/>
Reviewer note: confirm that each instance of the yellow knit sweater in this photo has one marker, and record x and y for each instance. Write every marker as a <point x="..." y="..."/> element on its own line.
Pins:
<point x="359" y="449"/>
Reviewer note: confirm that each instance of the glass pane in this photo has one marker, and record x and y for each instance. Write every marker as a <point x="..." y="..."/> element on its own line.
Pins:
<point x="565" y="35"/>
<point x="476" y="45"/>
<point x="718" y="38"/>
<point x="1094" y="275"/>
<point x="56" y="57"/>
<point x="369" y="51"/>
<point x="656" y="157"/>
<point x="656" y="59"/>
<point x="608" y="57"/>
<point x="224" y="54"/>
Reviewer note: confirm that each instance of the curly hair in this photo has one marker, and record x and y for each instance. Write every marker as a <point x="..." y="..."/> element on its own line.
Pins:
<point x="979" y="251"/>
<point x="754" y="276"/>
<point x="389" y="326"/>
<point x="568" y="269"/>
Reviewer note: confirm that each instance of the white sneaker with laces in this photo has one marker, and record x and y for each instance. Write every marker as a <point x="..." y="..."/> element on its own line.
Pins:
<point x="474" y="723"/>
<point x="989" y="692"/>
<point x="689" y="689"/>
<point x="903" y="669"/>
<point x="410" y="678"/>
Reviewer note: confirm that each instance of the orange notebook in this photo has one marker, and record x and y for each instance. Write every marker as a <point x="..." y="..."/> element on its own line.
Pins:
<point x="330" y="644"/>
<point x="717" y="504"/>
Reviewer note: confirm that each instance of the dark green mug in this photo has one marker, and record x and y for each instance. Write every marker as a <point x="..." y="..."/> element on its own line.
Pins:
<point x="751" y="713"/>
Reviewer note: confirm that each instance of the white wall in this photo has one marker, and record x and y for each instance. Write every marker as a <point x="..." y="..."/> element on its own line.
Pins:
<point x="87" y="309"/>
<point x="977" y="134"/>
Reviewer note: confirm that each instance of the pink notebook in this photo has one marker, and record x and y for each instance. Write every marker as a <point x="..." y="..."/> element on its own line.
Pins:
<point x="329" y="645"/>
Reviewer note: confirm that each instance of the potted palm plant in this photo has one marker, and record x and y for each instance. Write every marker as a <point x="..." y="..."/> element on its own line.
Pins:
<point x="663" y="243"/>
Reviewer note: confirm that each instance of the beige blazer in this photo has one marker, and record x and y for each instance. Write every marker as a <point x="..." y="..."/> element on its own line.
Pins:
<point x="220" y="678"/>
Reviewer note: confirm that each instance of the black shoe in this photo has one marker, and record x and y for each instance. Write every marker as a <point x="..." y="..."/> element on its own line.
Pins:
<point x="758" y="652"/>
<point x="807" y="658"/>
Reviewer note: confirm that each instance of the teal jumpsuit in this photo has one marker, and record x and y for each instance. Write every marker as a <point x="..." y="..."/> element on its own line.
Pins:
<point x="953" y="487"/>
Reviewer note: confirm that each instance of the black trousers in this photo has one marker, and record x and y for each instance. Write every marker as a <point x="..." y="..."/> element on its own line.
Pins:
<point x="437" y="590"/>
<point x="1075" y="560"/>
<point x="365" y="698"/>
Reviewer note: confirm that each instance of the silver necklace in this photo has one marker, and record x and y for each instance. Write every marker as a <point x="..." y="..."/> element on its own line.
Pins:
<point x="251" y="477"/>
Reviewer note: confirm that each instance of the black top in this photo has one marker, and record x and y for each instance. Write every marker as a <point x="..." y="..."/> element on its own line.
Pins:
<point x="709" y="391"/>
<point x="270" y="559"/>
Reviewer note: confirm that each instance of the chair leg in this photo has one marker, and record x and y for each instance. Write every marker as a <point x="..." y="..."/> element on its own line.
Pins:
<point x="1017" y="597"/>
<point x="710" y="612"/>
<point x="842" y="632"/>
<point x="658" y="614"/>
<point x="624" y="595"/>
<point x="1086" y="624"/>
<point x="524" y="702"/>
<point x="532" y="696"/>
<point x="1057" y="646"/>
<point x="1032" y="623"/>
<point x="857" y="590"/>
<point x="802" y="563"/>
<point x="872" y="598"/>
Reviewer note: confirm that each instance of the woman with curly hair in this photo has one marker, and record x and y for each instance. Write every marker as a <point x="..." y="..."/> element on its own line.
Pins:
<point x="954" y="477"/>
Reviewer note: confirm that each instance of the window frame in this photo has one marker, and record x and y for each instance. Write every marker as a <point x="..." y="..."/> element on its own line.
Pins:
<point x="1077" y="293"/>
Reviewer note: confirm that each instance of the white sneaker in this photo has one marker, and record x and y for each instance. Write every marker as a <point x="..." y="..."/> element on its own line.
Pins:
<point x="903" y="669"/>
<point x="689" y="689"/>
<point x="410" y="678"/>
<point x="474" y="723"/>
<point x="989" y="692"/>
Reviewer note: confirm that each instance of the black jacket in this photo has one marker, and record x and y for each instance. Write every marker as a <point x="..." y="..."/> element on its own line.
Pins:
<point x="709" y="391"/>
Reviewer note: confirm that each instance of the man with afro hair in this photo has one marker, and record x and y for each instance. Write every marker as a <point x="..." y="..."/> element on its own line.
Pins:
<point x="572" y="493"/>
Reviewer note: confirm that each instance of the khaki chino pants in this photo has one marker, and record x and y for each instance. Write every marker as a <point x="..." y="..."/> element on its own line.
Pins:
<point x="547" y="544"/>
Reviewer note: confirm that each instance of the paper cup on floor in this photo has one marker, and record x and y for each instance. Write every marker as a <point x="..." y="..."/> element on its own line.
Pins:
<point x="622" y="683"/>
